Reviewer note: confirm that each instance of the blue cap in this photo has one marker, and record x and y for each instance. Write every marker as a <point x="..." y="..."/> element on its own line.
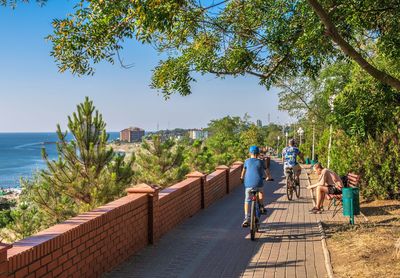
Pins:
<point x="254" y="150"/>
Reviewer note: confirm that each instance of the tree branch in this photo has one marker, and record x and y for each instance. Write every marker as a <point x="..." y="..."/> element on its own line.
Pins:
<point x="333" y="32"/>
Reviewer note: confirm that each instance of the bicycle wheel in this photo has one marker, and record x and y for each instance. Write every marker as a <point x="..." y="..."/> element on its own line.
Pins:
<point x="253" y="225"/>
<point x="297" y="189"/>
<point x="289" y="187"/>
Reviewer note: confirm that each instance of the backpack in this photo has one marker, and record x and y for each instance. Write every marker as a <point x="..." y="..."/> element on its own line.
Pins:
<point x="344" y="181"/>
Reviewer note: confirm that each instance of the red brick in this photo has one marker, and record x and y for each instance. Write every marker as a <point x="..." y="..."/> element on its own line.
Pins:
<point x="4" y="267"/>
<point x="56" y="254"/>
<point x="72" y="270"/>
<point x="21" y="273"/>
<point x="81" y="248"/>
<point x="57" y="271"/>
<point x="67" y="247"/>
<point x="34" y="266"/>
<point x="52" y="265"/>
<point x="45" y="260"/>
<point x="76" y="243"/>
<point x="41" y="271"/>
<point x="67" y="265"/>
<point x="63" y="259"/>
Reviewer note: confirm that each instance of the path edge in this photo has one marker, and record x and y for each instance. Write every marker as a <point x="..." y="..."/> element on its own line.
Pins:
<point x="328" y="264"/>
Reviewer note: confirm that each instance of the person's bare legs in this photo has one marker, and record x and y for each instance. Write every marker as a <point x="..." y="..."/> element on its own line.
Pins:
<point x="261" y="198"/>
<point x="321" y="191"/>
<point x="246" y="209"/>
<point x="269" y="176"/>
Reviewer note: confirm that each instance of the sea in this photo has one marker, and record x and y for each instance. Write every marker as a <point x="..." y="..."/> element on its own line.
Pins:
<point x="21" y="155"/>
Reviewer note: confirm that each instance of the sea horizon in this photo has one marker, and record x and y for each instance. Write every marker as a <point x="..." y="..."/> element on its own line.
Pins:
<point x="20" y="154"/>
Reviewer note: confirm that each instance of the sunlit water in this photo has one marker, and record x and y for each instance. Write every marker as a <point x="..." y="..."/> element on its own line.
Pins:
<point x="20" y="154"/>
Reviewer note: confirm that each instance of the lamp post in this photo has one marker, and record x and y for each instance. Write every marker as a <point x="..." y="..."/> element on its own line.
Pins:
<point x="300" y="131"/>
<point x="331" y="105"/>
<point x="277" y="146"/>
<point x="313" y="140"/>
<point x="286" y="135"/>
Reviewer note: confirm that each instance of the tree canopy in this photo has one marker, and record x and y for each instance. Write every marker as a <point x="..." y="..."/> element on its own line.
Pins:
<point x="270" y="39"/>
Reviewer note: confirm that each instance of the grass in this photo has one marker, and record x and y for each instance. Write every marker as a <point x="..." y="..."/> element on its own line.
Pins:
<point x="370" y="249"/>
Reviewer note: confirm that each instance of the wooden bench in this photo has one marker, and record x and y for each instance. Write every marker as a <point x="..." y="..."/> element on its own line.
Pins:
<point x="335" y="200"/>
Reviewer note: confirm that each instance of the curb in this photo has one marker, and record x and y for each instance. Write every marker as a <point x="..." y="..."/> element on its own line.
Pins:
<point x="327" y="256"/>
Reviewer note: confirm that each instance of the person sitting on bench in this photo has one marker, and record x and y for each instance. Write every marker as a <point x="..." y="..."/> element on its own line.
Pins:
<point x="328" y="183"/>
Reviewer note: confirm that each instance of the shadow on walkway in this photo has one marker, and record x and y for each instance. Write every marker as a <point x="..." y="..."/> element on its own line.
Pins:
<point x="213" y="244"/>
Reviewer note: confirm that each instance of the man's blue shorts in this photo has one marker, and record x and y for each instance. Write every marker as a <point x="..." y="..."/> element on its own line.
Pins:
<point x="247" y="193"/>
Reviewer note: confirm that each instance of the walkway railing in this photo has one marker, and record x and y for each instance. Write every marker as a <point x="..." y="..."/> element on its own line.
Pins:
<point x="94" y="242"/>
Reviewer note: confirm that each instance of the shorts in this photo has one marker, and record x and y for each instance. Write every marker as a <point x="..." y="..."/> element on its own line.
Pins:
<point x="333" y="190"/>
<point x="296" y="169"/>
<point x="247" y="193"/>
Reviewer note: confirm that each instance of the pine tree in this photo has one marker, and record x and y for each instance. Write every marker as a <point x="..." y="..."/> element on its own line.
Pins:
<point x="86" y="174"/>
<point x="160" y="162"/>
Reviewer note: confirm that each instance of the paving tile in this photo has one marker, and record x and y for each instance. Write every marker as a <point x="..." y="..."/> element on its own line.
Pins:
<point x="213" y="244"/>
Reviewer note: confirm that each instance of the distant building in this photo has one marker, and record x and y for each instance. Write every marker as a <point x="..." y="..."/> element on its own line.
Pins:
<point x="132" y="134"/>
<point x="259" y="123"/>
<point x="198" y="134"/>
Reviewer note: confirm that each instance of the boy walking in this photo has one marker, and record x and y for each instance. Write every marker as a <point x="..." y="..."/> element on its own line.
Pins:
<point x="253" y="172"/>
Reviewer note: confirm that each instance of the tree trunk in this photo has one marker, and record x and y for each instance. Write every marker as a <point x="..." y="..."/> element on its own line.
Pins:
<point x="349" y="50"/>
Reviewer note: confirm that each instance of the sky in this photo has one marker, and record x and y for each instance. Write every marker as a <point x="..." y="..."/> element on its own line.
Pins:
<point x="34" y="96"/>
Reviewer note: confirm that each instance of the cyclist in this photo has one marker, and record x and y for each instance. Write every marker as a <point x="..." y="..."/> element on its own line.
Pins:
<point x="252" y="174"/>
<point x="267" y="160"/>
<point x="289" y="159"/>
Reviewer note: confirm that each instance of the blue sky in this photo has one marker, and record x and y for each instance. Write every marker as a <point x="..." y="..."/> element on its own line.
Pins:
<point x="34" y="96"/>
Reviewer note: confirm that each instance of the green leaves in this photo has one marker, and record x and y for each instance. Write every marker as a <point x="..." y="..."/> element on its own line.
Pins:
<point x="160" y="162"/>
<point x="172" y="76"/>
<point x="86" y="174"/>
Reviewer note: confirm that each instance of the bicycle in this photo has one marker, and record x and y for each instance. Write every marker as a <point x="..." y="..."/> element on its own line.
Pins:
<point x="255" y="213"/>
<point x="292" y="184"/>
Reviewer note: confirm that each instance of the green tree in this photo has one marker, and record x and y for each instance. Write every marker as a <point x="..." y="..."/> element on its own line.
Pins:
<point x="160" y="162"/>
<point x="13" y="3"/>
<point x="224" y="141"/>
<point x="199" y="158"/>
<point x="254" y="135"/>
<point x="86" y="174"/>
<point x="24" y="220"/>
<point x="271" y="40"/>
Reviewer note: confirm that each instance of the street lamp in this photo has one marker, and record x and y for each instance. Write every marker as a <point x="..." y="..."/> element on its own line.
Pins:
<point x="313" y="139"/>
<point x="300" y="131"/>
<point x="277" y="146"/>
<point x="286" y="135"/>
<point x="331" y="105"/>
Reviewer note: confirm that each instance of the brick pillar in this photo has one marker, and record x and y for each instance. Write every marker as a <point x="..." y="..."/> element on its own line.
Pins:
<point x="3" y="260"/>
<point x="202" y="178"/>
<point x="239" y="163"/>
<point x="226" y="169"/>
<point x="153" y="208"/>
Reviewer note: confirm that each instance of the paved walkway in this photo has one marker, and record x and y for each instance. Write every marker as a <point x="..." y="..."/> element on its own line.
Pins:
<point x="213" y="244"/>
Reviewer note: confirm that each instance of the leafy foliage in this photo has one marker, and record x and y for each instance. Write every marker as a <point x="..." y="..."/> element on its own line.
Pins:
<point x="13" y="3"/>
<point x="198" y="157"/>
<point x="272" y="40"/>
<point x="86" y="174"/>
<point x="23" y="221"/>
<point x="160" y="162"/>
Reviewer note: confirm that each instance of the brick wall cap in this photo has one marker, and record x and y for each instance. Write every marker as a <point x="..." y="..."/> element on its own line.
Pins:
<point x="4" y="246"/>
<point x="237" y="163"/>
<point x="143" y="188"/>
<point x="222" y="167"/>
<point x="195" y="174"/>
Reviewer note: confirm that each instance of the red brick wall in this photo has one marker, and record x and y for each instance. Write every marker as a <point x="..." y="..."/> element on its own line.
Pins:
<point x="86" y="245"/>
<point x="234" y="176"/>
<point x="215" y="187"/>
<point x="94" y="242"/>
<point x="179" y="202"/>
